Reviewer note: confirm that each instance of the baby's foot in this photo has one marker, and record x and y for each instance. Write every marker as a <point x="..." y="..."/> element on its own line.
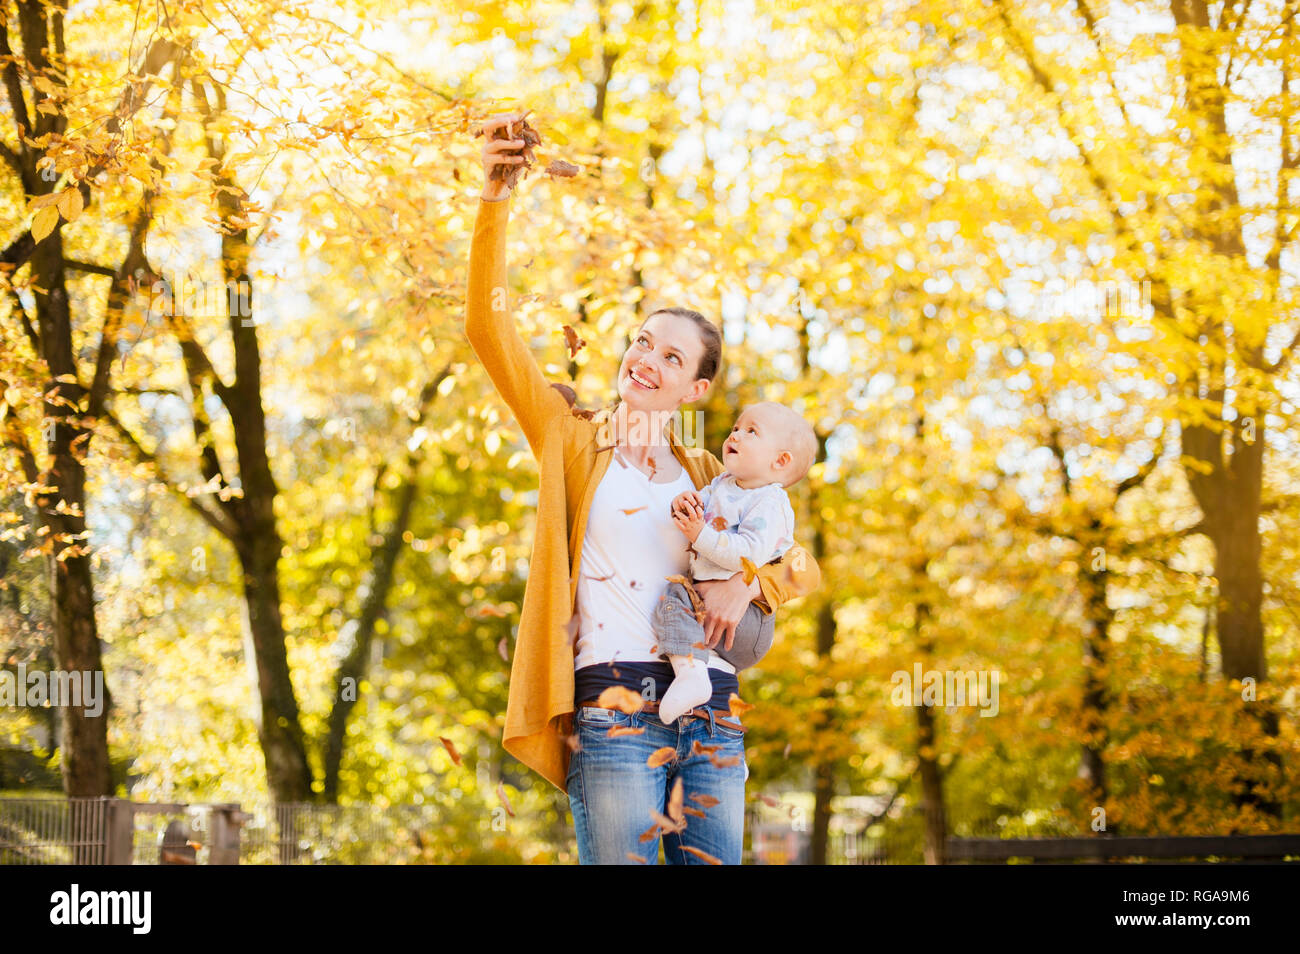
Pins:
<point x="689" y="689"/>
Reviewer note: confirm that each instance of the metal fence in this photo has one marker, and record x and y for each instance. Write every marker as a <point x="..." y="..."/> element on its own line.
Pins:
<point x="53" y="831"/>
<point x="112" y="831"/>
<point x="115" y="831"/>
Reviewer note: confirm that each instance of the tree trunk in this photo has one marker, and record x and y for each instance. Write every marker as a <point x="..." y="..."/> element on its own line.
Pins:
<point x="1093" y="582"/>
<point x="823" y="771"/>
<point x="358" y="635"/>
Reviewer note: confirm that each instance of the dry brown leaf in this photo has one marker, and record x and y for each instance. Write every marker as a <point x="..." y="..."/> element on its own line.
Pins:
<point x="650" y="833"/>
<point x="675" y="803"/>
<point x="621" y="698"/>
<point x="738" y="706"/>
<point x="559" y="167"/>
<point x="666" y="823"/>
<point x="708" y="801"/>
<point x="693" y="811"/>
<point x="501" y="649"/>
<point x="633" y="856"/>
<point x="501" y="794"/>
<point x="697" y="602"/>
<point x="661" y="756"/>
<point x="702" y="854"/>
<point x="572" y="341"/>
<point x="451" y="749"/>
<point x="617" y="730"/>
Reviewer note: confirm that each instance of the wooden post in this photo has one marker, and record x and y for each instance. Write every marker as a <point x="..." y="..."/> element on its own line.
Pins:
<point x="225" y="824"/>
<point x="119" y="831"/>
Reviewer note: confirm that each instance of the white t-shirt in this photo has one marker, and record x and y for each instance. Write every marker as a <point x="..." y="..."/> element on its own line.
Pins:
<point x="637" y="552"/>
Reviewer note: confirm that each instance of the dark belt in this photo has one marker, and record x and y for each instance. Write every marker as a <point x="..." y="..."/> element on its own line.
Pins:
<point x="699" y="712"/>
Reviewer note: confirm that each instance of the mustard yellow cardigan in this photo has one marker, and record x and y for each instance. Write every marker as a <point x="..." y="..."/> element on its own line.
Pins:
<point x="539" y="709"/>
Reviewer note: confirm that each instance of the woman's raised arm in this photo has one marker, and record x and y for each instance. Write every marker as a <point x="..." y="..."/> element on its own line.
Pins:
<point x="489" y="325"/>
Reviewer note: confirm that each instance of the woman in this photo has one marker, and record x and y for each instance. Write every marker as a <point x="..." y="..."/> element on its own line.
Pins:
<point x="603" y="510"/>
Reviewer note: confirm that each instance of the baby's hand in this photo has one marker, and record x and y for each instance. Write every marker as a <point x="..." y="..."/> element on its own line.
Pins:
<point x="688" y="514"/>
<point x="686" y="501"/>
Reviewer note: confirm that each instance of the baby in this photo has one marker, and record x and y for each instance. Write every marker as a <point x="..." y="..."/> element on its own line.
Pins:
<point x="743" y="513"/>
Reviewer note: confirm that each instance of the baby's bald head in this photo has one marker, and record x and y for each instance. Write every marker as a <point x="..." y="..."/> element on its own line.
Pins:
<point x="788" y="432"/>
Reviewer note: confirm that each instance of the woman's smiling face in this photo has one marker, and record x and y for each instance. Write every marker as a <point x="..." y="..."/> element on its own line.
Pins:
<point x="658" y="372"/>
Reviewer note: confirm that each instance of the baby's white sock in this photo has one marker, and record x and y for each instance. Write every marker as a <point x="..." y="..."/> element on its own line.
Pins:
<point x="690" y="688"/>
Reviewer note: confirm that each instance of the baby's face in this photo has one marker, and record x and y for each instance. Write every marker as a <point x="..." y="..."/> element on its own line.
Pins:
<point x="756" y="443"/>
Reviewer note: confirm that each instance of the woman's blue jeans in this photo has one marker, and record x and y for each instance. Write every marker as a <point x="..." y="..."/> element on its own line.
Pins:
<point x="612" y="790"/>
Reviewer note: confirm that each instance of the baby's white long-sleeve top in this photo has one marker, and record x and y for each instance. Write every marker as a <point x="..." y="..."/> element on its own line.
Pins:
<point x="758" y="524"/>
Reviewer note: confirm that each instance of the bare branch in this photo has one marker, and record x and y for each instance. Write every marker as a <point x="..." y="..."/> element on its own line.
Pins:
<point x="216" y="519"/>
<point x="75" y="266"/>
<point x="28" y="328"/>
<point x="1136" y="480"/>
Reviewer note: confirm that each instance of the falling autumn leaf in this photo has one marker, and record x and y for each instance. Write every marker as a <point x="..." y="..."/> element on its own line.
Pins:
<point x="697" y="602"/>
<point x="572" y="341"/>
<point x="708" y="801"/>
<point x="451" y="749"/>
<point x="505" y="802"/>
<point x="769" y="801"/>
<point x="650" y="833"/>
<point x="675" y="799"/>
<point x="661" y="756"/>
<point x="701" y="854"/>
<point x="617" y="730"/>
<point x="559" y="167"/>
<point x="501" y="649"/>
<point x="738" y="706"/>
<point x="666" y="823"/>
<point x="693" y="811"/>
<point x="728" y="762"/>
<point x="700" y="748"/>
<point x="633" y="856"/>
<point x="621" y="698"/>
